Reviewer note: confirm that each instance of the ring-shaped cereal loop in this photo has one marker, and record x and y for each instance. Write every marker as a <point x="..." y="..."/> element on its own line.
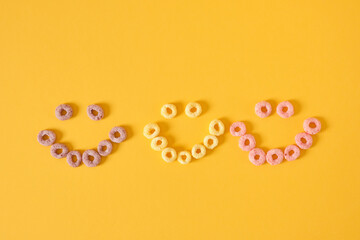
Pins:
<point x="169" y="111"/>
<point x="69" y="158"/>
<point x="95" y="112"/>
<point x="237" y="129"/>
<point x="151" y="130"/>
<point x="159" y="143"/>
<point x="117" y="134"/>
<point x="61" y="109"/>
<point x="299" y="138"/>
<point x="291" y="152"/>
<point x="59" y="146"/>
<point x="247" y="142"/>
<point x="216" y="127"/>
<point x="50" y="135"/>
<point x="210" y="141"/>
<point x="198" y="151"/>
<point x="193" y="109"/>
<point x="308" y="126"/>
<point x="104" y="148"/>
<point x="285" y="109"/>
<point x="263" y="109"/>
<point x="257" y="156"/>
<point x="184" y="157"/>
<point x="169" y="155"/>
<point x="274" y="156"/>
<point x="96" y="158"/>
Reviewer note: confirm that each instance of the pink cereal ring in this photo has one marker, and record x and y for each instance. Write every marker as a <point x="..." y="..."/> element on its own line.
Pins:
<point x="263" y="109"/>
<point x="303" y="140"/>
<point x="104" y="148"/>
<point x="59" y="150"/>
<point x="274" y="156"/>
<point x="257" y="156"/>
<point x="91" y="158"/>
<point x="117" y="134"/>
<point x="95" y="112"/>
<point x="74" y="158"/>
<point x="285" y="109"/>
<point x="291" y="152"/>
<point x="46" y="137"/>
<point x="63" y="112"/>
<point x="247" y="142"/>
<point x="237" y="129"/>
<point x="312" y="126"/>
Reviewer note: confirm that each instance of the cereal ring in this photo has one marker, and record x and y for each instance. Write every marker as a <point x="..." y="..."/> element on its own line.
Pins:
<point x="211" y="141"/>
<point x="151" y="130"/>
<point x="303" y="140"/>
<point x="263" y="109"/>
<point x="285" y="109"/>
<point x="312" y="126"/>
<point x="216" y="128"/>
<point x="169" y="155"/>
<point x="159" y="143"/>
<point x="104" y="148"/>
<point x="59" y="150"/>
<point x="74" y="155"/>
<point x="247" y="142"/>
<point x="237" y="129"/>
<point x="291" y="152"/>
<point x="95" y="112"/>
<point x="117" y="134"/>
<point x="198" y="151"/>
<point x="46" y="137"/>
<point x="169" y="111"/>
<point x="193" y="110"/>
<point x="257" y="156"/>
<point x="63" y="112"/>
<point x="274" y="156"/>
<point x="91" y="158"/>
<point x="184" y="157"/>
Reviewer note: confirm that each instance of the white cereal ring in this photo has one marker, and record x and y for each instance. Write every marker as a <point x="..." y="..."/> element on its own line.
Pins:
<point x="168" y="111"/>
<point x="151" y="130"/>
<point x="193" y="109"/>
<point x="237" y="129"/>
<point x="263" y="109"/>
<point x="247" y="142"/>
<point x="274" y="156"/>
<point x="198" y="151"/>
<point x="291" y="152"/>
<point x="285" y="109"/>
<point x="257" y="156"/>
<point x="216" y="128"/>
<point x="169" y="154"/>
<point x="303" y="140"/>
<point x="312" y="126"/>
<point x="184" y="157"/>
<point x="211" y="141"/>
<point x="159" y="143"/>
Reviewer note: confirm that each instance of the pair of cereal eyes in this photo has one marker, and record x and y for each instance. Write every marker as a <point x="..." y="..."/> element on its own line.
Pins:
<point x="192" y="109"/>
<point x="65" y="112"/>
<point x="284" y="109"/>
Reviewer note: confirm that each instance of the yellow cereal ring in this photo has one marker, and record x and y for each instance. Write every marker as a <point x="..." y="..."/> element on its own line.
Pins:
<point x="159" y="143"/>
<point x="198" y="151"/>
<point x="193" y="109"/>
<point x="216" y="128"/>
<point x="169" y="154"/>
<point x="168" y="111"/>
<point x="151" y="130"/>
<point x="210" y="141"/>
<point x="184" y="157"/>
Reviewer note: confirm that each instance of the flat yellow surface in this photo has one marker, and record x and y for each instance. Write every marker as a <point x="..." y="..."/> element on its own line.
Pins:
<point x="134" y="56"/>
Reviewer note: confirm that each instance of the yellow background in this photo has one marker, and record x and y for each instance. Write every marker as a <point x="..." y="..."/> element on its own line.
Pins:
<point x="134" y="56"/>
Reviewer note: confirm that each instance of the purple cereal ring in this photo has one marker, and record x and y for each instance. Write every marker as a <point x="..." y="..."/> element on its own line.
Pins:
<point x="63" y="112"/>
<point x="237" y="129"/>
<point x="95" y="112"/>
<point x="303" y="140"/>
<point x="117" y="134"/>
<point x="257" y="156"/>
<point x="263" y="109"/>
<point x="91" y="158"/>
<point x="247" y="142"/>
<point x="59" y="150"/>
<point x="274" y="156"/>
<point x="74" y="155"/>
<point x="285" y="109"/>
<point x="312" y="126"/>
<point x="104" y="148"/>
<point x="46" y="137"/>
<point x="291" y="152"/>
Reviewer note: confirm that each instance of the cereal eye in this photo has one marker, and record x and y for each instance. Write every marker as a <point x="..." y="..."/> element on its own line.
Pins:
<point x="193" y="110"/>
<point x="63" y="112"/>
<point x="263" y="109"/>
<point x="169" y="111"/>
